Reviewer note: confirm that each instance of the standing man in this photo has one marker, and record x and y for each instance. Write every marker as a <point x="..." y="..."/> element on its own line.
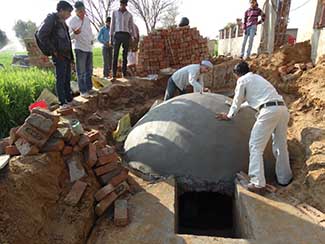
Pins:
<point x="54" y="36"/>
<point x="272" y="119"/>
<point x="133" y="49"/>
<point x="250" y="26"/>
<point x="121" y="34"/>
<point x="103" y="38"/>
<point x="188" y="75"/>
<point x="81" y="32"/>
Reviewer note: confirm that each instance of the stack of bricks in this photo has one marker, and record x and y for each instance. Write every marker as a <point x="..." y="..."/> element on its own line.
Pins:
<point x="173" y="47"/>
<point x="36" y="57"/>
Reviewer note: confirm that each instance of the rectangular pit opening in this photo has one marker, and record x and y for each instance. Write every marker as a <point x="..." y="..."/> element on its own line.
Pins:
<point x="205" y="214"/>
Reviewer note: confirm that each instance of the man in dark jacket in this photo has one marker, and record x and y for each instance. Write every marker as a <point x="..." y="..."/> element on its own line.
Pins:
<point x="54" y="34"/>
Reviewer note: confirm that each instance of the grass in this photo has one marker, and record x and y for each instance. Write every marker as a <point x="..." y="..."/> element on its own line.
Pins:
<point x="6" y="57"/>
<point x="18" y="89"/>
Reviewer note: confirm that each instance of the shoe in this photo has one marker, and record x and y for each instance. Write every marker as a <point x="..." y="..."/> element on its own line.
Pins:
<point x="284" y="185"/>
<point x="256" y="189"/>
<point x="85" y="95"/>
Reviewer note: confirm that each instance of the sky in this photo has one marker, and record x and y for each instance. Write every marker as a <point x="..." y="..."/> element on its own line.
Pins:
<point x="207" y="15"/>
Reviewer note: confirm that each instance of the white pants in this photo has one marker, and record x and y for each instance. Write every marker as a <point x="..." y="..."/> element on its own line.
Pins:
<point x="273" y="121"/>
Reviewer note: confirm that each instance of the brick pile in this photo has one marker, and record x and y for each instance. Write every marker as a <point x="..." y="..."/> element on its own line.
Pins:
<point x="45" y="131"/>
<point x="36" y="58"/>
<point x="173" y="47"/>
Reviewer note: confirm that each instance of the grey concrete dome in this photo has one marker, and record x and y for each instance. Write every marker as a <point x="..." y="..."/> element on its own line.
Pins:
<point x="181" y="137"/>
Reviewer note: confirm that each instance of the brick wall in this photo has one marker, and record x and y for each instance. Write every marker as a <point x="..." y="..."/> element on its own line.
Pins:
<point x="174" y="47"/>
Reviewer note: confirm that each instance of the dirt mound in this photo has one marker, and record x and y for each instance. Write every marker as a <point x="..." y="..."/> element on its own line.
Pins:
<point x="32" y="190"/>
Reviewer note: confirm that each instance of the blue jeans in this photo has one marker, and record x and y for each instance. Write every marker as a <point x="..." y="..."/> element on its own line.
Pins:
<point x="63" y="78"/>
<point x="84" y="62"/>
<point x="171" y="89"/>
<point x="107" y="60"/>
<point x="249" y="33"/>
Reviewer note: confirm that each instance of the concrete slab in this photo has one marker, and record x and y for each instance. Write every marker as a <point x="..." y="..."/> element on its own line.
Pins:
<point x="273" y="221"/>
<point x="152" y="220"/>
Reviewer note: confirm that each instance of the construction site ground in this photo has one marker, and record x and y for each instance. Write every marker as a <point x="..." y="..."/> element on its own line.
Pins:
<point x="32" y="188"/>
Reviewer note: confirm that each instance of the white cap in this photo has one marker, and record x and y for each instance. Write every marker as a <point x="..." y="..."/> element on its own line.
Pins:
<point x="207" y="63"/>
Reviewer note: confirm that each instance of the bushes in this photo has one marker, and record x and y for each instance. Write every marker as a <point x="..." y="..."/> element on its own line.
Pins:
<point x="18" y="89"/>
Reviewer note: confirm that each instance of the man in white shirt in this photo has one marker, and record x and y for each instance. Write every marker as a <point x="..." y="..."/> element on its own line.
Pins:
<point x="81" y="33"/>
<point x="272" y="119"/>
<point x="188" y="75"/>
<point x="121" y="33"/>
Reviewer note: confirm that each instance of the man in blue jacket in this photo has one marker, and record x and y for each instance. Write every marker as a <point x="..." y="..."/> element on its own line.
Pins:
<point x="54" y="34"/>
<point x="107" y="51"/>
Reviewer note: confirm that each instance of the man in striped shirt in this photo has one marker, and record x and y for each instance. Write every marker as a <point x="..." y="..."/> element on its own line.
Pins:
<point x="121" y="33"/>
<point x="250" y="26"/>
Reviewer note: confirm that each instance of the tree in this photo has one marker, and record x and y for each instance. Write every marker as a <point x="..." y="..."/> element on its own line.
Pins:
<point x="97" y="11"/>
<point x="150" y="11"/>
<point x="24" y="29"/>
<point x="3" y="39"/>
<point x="169" y="18"/>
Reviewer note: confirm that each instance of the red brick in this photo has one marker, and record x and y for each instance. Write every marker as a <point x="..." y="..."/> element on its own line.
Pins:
<point x="74" y="139"/>
<point x="107" y="155"/>
<point x="76" y="148"/>
<point x="106" y="169"/>
<point x="91" y="155"/>
<point x="63" y="133"/>
<point x="83" y="141"/>
<point x="41" y="123"/>
<point x="32" y="135"/>
<point x="3" y="144"/>
<point x="25" y="148"/>
<point x="106" y="178"/>
<point x="12" y="150"/>
<point x="120" y="178"/>
<point x="104" y="204"/>
<point x="53" y="145"/>
<point x="75" y="193"/>
<point x="121" y="213"/>
<point x="67" y="150"/>
<point x="65" y="112"/>
<point x="99" y="145"/>
<point x="13" y="135"/>
<point x="93" y="135"/>
<point x="103" y="192"/>
<point x="47" y="114"/>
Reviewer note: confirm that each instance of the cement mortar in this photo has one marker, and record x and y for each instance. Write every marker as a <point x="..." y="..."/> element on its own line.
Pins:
<point x="181" y="137"/>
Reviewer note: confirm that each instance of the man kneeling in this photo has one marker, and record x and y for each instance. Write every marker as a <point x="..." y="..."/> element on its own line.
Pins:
<point x="188" y="75"/>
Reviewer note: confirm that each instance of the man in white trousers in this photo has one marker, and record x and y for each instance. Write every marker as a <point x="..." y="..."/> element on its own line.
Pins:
<point x="272" y="119"/>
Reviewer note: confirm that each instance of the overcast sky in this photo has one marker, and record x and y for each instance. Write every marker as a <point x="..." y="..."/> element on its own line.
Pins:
<point x="207" y="15"/>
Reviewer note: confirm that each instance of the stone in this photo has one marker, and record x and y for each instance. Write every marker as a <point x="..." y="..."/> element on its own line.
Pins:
<point x="106" y="169"/>
<point x="3" y="144"/>
<point x="67" y="150"/>
<point x="25" y="148"/>
<point x="93" y="135"/>
<point x="121" y="213"/>
<point x="66" y="111"/>
<point x="76" y="170"/>
<point x="104" y="204"/>
<point x="4" y="160"/>
<point x="91" y="155"/>
<point x="182" y="137"/>
<point x="40" y="122"/>
<point x="53" y="145"/>
<point x="32" y="135"/>
<point x="103" y="192"/>
<point x="75" y="193"/>
<point x="13" y="135"/>
<point x="106" y="178"/>
<point x="123" y="176"/>
<point x="83" y="141"/>
<point x="63" y="133"/>
<point x="12" y="150"/>
<point x="47" y="114"/>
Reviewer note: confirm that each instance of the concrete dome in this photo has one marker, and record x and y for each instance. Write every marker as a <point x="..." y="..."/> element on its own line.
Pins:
<point x="181" y="137"/>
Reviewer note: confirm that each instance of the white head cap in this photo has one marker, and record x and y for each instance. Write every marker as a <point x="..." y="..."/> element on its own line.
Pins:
<point x="207" y="63"/>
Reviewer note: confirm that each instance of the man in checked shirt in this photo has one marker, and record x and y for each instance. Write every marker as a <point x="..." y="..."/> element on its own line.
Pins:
<point x="250" y="26"/>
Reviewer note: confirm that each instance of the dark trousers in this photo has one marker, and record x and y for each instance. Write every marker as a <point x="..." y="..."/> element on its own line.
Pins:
<point x="121" y="38"/>
<point x="84" y="62"/>
<point x="171" y="89"/>
<point x="63" y="77"/>
<point x="107" y="60"/>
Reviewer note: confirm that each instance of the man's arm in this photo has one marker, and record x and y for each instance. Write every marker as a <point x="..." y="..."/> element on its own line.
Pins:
<point x="131" y="27"/>
<point x="245" y="20"/>
<point x="197" y="86"/>
<point x="238" y="99"/>
<point x="100" y="37"/>
<point x="45" y="31"/>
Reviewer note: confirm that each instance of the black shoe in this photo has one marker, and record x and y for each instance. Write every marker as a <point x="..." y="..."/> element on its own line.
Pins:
<point x="284" y="185"/>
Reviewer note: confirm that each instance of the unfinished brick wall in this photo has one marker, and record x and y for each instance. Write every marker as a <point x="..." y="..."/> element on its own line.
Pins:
<point x="173" y="47"/>
<point x="36" y="58"/>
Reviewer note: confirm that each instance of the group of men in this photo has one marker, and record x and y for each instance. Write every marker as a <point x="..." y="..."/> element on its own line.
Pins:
<point x="272" y="118"/>
<point x="56" y="35"/>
